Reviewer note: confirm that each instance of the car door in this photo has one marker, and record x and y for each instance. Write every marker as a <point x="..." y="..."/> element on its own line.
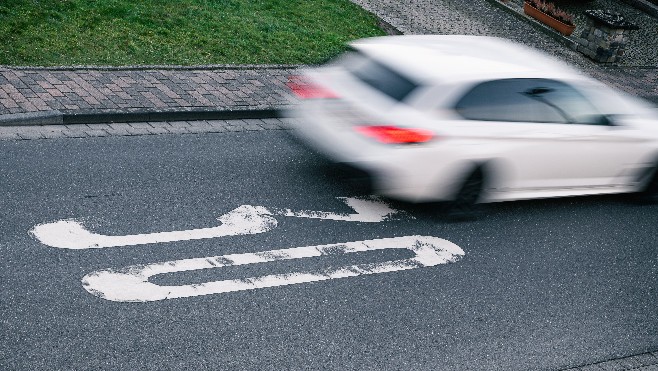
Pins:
<point x="547" y="135"/>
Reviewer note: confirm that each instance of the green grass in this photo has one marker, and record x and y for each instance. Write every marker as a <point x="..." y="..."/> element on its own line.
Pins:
<point x="177" y="32"/>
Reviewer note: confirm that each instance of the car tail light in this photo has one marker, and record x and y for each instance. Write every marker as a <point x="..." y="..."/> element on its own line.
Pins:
<point x="305" y="89"/>
<point x="395" y="135"/>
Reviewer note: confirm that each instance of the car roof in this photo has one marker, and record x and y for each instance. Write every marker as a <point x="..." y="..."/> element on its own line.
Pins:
<point x="453" y="58"/>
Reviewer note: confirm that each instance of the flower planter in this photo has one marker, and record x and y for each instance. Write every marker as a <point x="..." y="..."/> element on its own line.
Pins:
<point x="546" y="19"/>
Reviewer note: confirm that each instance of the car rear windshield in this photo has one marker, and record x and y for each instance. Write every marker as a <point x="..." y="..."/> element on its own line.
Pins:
<point x="380" y="76"/>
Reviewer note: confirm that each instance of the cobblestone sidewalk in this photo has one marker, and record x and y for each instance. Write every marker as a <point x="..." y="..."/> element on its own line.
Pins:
<point x="88" y="91"/>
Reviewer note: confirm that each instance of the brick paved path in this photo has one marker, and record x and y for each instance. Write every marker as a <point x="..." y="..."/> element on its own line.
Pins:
<point x="125" y="90"/>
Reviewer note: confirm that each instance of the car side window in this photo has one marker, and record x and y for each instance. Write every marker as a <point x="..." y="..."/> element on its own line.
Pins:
<point x="527" y="100"/>
<point x="380" y="77"/>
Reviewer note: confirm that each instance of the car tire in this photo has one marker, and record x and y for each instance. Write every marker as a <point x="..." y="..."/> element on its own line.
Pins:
<point x="465" y="205"/>
<point x="649" y="193"/>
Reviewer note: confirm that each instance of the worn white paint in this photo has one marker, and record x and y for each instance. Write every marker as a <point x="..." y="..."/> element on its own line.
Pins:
<point x="369" y="209"/>
<point x="131" y="284"/>
<point x="70" y="234"/>
<point x="246" y="219"/>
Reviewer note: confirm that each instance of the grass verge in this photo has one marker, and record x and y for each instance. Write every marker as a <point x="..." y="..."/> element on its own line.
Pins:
<point x="177" y="32"/>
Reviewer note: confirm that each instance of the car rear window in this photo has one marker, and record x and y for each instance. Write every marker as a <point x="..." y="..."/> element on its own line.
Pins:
<point x="380" y="76"/>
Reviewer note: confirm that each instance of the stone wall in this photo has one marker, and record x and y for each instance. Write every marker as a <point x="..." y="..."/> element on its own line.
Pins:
<point x="605" y="36"/>
<point x="602" y="43"/>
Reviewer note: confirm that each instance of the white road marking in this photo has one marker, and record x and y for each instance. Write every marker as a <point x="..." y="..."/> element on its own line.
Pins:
<point x="370" y="209"/>
<point x="131" y="284"/>
<point x="70" y="234"/>
<point x="246" y="219"/>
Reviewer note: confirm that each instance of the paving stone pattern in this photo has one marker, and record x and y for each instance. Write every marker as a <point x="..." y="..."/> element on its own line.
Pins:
<point x="129" y="90"/>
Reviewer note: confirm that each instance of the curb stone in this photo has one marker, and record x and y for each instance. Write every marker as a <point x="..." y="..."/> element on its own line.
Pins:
<point x="644" y="6"/>
<point x="169" y="115"/>
<point x="79" y="130"/>
<point x="32" y="118"/>
<point x="59" y="118"/>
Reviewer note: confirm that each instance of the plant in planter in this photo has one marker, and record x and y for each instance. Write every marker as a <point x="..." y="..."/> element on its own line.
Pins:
<point x="552" y="16"/>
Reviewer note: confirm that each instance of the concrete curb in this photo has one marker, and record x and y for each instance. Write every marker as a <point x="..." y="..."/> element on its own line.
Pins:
<point x="644" y="6"/>
<point x="32" y="118"/>
<point x="91" y="117"/>
<point x="82" y="117"/>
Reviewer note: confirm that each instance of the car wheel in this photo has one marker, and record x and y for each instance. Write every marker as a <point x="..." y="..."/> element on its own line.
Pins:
<point x="465" y="204"/>
<point x="649" y="193"/>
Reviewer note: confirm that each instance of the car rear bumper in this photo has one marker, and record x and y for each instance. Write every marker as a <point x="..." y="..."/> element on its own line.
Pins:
<point x="385" y="170"/>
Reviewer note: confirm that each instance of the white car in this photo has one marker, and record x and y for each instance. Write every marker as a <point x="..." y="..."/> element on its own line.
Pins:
<point x="474" y="119"/>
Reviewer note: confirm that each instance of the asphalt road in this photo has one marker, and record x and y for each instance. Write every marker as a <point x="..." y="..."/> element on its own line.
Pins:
<point x="541" y="285"/>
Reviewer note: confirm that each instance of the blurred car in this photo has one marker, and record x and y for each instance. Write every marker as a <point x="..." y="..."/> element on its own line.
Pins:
<point x="474" y="119"/>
